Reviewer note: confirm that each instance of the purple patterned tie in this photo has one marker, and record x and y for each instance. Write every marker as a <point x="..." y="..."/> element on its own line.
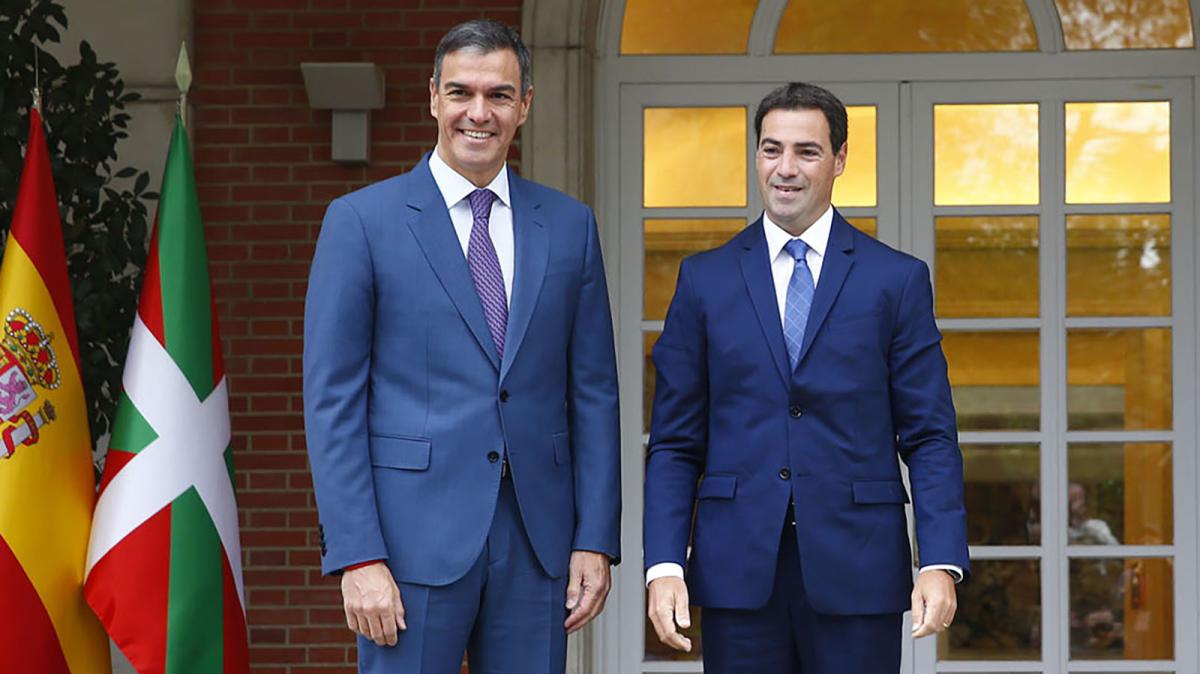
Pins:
<point x="485" y="268"/>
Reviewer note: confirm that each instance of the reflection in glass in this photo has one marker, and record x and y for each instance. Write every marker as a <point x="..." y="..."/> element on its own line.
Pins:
<point x="1119" y="379"/>
<point x="867" y="226"/>
<point x="667" y="242"/>
<point x="999" y="613"/>
<point x="813" y="27"/>
<point x="1126" y="24"/>
<point x="687" y="26"/>
<point x="986" y="266"/>
<point x="648" y="375"/>
<point x="995" y="378"/>
<point x="1118" y="153"/>
<point x="695" y="157"/>
<point x="985" y="154"/>
<point x="1119" y="493"/>
<point x="856" y="185"/>
<point x="1122" y="609"/>
<point x="1002" y="494"/>
<point x="1119" y="265"/>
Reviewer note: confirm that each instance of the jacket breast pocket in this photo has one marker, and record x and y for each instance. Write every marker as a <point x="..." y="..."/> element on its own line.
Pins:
<point x="402" y="452"/>
<point x="715" y="485"/>
<point x="880" y="491"/>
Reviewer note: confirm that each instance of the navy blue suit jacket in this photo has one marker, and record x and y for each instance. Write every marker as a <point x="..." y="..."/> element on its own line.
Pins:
<point x="407" y="406"/>
<point x="731" y="415"/>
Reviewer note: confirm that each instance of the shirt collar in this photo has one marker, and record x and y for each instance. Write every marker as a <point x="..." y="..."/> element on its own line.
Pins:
<point x="454" y="187"/>
<point x="816" y="236"/>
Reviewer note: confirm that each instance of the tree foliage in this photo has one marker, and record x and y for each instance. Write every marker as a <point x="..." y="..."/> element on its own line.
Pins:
<point x="104" y="209"/>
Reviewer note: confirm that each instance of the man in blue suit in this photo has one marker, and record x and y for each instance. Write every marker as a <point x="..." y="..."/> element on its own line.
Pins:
<point x="797" y="363"/>
<point x="460" y="393"/>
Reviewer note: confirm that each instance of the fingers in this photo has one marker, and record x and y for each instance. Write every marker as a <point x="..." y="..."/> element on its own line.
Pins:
<point x="574" y="587"/>
<point x="667" y="607"/>
<point x="918" y="614"/>
<point x="595" y="585"/>
<point x="683" y="616"/>
<point x="371" y="601"/>
<point x="934" y="604"/>
<point x="399" y="613"/>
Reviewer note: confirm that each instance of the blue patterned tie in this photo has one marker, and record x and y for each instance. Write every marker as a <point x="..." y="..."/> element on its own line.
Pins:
<point x="485" y="268"/>
<point x="798" y="302"/>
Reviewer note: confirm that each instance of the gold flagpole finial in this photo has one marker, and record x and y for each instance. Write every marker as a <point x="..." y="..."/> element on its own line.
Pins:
<point x="183" y="79"/>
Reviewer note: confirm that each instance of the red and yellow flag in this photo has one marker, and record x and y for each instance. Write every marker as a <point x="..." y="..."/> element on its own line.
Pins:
<point x="47" y="487"/>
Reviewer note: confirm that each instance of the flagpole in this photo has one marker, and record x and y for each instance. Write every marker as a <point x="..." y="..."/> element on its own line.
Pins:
<point x="183" y="79"/>
<point x="37" y="80"/>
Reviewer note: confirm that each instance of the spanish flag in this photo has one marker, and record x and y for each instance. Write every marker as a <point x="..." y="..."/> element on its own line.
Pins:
<point x="47" y="486"/>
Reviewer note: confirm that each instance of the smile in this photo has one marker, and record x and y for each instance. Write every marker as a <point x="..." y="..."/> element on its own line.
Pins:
<point x="476" y="135"/>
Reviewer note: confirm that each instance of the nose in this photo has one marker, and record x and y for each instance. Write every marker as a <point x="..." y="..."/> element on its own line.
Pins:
<point x="478" y="110"/>
<point x="789" y="166"/>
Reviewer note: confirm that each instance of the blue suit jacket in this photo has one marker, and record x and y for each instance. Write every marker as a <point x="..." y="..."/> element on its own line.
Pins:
<point x="405" y="397"/>
<point x="871" y="383"/>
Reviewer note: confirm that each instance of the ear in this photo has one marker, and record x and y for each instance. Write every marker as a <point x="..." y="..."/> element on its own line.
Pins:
<point x="433" y="93"/>
<point x="839" y="160"/>
<point x="526" y="102"/>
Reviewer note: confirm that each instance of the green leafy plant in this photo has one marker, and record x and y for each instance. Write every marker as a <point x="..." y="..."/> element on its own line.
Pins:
<point x="104" y="210"/>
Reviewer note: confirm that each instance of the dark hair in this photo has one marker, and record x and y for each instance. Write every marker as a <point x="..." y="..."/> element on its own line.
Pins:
<point x="803" y="96"/>
<point x="485" y="36"/>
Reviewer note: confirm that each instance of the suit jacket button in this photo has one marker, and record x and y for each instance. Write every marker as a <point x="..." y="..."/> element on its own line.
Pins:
<point x="493" y="456"/>
<point x="795" y="411"/>
<point x="785" y="474"/>
<point x="504" y="396"/>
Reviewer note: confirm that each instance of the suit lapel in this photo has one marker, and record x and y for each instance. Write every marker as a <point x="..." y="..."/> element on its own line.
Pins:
<point x="434" y="232"/>
<point x="834" y="268"/>
<point x="756" y="270"/>
<point x="532" y="244"/>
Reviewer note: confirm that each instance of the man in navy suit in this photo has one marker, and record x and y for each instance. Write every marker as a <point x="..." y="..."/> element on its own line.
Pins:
<point x="460" y="393"/>
<point x="798" y="362"/>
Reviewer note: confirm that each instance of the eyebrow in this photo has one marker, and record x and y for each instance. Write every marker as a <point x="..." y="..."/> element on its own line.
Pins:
<point x="506" y="88"/>
<point x="803" y="145"/>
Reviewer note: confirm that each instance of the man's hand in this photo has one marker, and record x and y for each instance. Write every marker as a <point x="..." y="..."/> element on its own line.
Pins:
<point x="934" y="603"/>
<point x="587" y="588"/>
<point x="668" y="608"/>
<point x="372" y="603"/>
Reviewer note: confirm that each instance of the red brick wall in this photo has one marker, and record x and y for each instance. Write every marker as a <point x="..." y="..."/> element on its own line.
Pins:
<point x="265" y="176"/>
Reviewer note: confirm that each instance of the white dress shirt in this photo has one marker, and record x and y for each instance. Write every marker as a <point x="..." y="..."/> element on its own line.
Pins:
<point x="782" y="266"/>
<point x="455" y="189"/>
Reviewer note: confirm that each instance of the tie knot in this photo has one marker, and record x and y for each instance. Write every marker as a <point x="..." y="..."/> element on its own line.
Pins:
<point x="797" y="249"/>
<point x="481" y="203"/>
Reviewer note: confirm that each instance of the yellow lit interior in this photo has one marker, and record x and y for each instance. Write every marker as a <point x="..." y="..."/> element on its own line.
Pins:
<point x="986" y="266"/>
<point x="694" y="157"/>
<point x="857" y="184"/>
<point x="687" y="26"/>
<point x="1126" y="24"/>
<point x="1119" y="265"/>
<point x="667" y="242"/>
<point x="871" y="26"/>
<point x="1118" y="153"/>
<point x="985" y="154"/>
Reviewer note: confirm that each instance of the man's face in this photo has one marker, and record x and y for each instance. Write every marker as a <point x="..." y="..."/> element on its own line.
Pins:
<point x="796" y="167"/>
<point x="479" y="108"/>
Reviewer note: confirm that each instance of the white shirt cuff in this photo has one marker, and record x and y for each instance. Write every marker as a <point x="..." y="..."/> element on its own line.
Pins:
<point x="663" y="570"/>
<point x="953" y="570"/>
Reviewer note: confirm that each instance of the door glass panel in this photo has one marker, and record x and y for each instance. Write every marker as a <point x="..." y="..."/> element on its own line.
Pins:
<point x="1119" y="265"/>
<point x="857" y="184"/>
<point x="985" y="154"/>
<point x="986" y="266"/>
<point x="999" y="613"/>
<point x="1118" y="153"/>
<point x="1119" y="379"/>
<point x="686" y="26"/>
<point x="1126" y="24"/>
<point x="667" y="242"/>
<point x="867" y="226"/>
<point x="1122" y="609"/>
<point x="695" y="157"/>
<point x="1119" y="493"/>
<point x="996" y="380"/>
<point x="1002" y="494"/>
<point x="814" y="27"/>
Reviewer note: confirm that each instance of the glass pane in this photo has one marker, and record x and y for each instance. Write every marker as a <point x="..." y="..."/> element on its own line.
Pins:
<point x="687" y="26"/>
<point x="812" y="26"/>
<point x="1122" y="609"/>
<point x="999" y="613"/>
<point x="995" y="377"/>
<point x="985" y="154"/>
<point x="1119" y="379"/>
<point x="1119" y="265"/>
<point x="986" y="266"/>
<point x="1002" y="494"/>
<point x="695" y="157"/>
<point x="1119" y="493"/>
<point x="667" y="242"/>
<point x="648" y="375"/>
<point x="856" y="185"/>
<point x="867" y="226"/>
<point x="1125" y="24"/>
<point x="1118" y="153"/>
